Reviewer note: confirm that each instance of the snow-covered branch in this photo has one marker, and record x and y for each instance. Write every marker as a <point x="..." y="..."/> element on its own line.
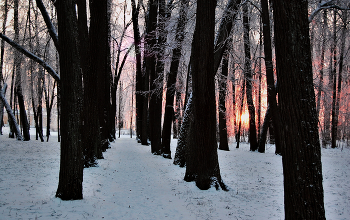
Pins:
<point x="325" y="5"/>
<point x="51" y="28"/>
<point x="42" y="63"/>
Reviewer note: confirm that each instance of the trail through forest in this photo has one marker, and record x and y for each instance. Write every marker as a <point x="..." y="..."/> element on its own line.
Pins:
<point x="131" y="183"/>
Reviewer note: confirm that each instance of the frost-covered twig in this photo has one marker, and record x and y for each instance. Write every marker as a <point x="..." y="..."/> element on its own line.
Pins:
<point x="325" y="5"/>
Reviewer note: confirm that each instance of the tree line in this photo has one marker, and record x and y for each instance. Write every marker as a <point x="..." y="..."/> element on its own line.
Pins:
<point x="236" y="46"/>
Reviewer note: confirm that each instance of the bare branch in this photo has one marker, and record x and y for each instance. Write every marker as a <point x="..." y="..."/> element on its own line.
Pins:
<point x="323" y="6"/>
<point x="51" y="28"/>
<point x="42" y="63"/>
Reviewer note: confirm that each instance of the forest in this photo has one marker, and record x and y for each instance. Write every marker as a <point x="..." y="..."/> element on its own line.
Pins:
<point x="207" y="75"/>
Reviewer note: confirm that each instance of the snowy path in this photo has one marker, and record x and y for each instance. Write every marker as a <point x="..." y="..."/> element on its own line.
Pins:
<point x="131" y="183"/>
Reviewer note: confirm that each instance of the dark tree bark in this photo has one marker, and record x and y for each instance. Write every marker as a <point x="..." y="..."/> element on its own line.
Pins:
<point x="12" y="120"/>
<point x="99" y="37"/>
<point x="18" y="84"/>
<point x="91" y="138"/>
<point x="223" y="145"/>
<point x="174" y="65"/>
<point x="72" y="161"/>
<point x="150" y="62"/>
<point x="248" y="79"/>
<point x="301" y="153"/>
<point x="271" y="89"/>
<point x="156" y="96"/>
<point x="138" y="89"/>
<point x="202" y="165"/>
<point x="49" y="104"/>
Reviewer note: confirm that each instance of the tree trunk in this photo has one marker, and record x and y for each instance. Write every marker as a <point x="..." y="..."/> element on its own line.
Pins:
<point x="323" y="48"/>
<point x="184" y="134"/>
<point x="138" y="89"/>
<point x="248" y="80"/>
<point x="341" y="62"/>
<point x="263" y="132"/>
<point x="202" y="165"/>
<point x="224" y="31"/>
<point x="18" y="84"/>
<point x="91" y="138"/>
<point x="2" y="51"/>
<point x="174" y="66"/>
<point x="72" y="160"/>
<point x="99" y="36"/>
<point x="11" y="117"/>
<point x="223" y="145"/>
<point x="271" y="88"/>
<point x="301" y="153"/>
<point x="150" y="61"/>
<point x="238" y="135"/>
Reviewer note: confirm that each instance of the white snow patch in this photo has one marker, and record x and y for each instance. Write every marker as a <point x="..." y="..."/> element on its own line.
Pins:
<point x="131" y="183"/>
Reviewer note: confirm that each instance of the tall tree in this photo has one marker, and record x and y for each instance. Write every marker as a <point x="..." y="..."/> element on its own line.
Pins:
<point x="335" y="114"/>
<point x="301" y="153"/>
<point x="150" y="62"/>
<point x="91" y="137"/>
<point x="72" y="161"/>
<point x="18" y="84"/>
<point x="202" y="165"/>
<point x="138" y="89"/>
<point x="271" y="89"/>
<point x="249" y="80"/>
<point x="2" y="51"/>
<point x="99" y="36"/>
<point x="222" y="104"/>
<point x="171" y="80"/>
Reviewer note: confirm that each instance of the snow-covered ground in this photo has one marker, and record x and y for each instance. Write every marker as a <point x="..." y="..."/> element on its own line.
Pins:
<point x="131" y="183"/>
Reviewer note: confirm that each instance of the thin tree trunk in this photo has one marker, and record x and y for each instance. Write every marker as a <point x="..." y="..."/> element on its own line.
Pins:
<point x="338" y="92"/>
<point x="2" y="51"/>
<point x="174" y="66"/>
<point x="138" y="89"/>
<point x="12" y="120"/>
<point x="18" y="84"/>
<point x="323" y="48"/>
<point x="91" y="137"/>
<point x="150" y="62"/>
<point x="223" y="145"/>
<point x="271" y="88"/>
<point x="238" y="135"/>
<point x="248" y="80"/>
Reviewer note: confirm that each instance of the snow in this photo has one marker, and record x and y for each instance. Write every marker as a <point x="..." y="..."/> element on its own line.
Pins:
<point x="131" y="183"/>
